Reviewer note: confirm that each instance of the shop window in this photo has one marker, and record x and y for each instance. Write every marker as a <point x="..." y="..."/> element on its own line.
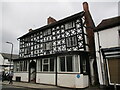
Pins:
<point x="66" y="64"/>
<point x="52" y="64"/>
<point x="62" y="63"/>
<point x="39" y="65"/>
<point x="48" y="64"/>
<point x="20" y="66"/>
<point x="17" y="66"/>
<point x="24" y="65"/>
<point x="69" y="63"/>
<point x="84" y="64"/>
<point x="45" y="64"/>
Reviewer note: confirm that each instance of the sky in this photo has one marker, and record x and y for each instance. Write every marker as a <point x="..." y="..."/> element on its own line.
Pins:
<point x="18" y="16"/>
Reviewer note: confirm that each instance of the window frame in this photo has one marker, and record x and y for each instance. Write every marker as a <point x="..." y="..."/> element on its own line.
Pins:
<point x="41" y="63"/>
<point x="66" y="70"/>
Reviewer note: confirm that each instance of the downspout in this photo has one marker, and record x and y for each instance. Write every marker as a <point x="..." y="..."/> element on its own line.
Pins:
<point x="99" y="51"/>
<point x="89" y="29"/>
<point x="56" y="72"/>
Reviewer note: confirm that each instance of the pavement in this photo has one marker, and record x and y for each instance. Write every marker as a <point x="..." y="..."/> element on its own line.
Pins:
<point x="44" y="87"/>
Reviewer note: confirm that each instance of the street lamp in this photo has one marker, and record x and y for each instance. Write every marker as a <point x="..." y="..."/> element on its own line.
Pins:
<point x="10" y="55"/>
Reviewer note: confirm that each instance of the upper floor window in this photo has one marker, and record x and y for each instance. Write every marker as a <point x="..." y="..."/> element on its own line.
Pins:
<point x="71" y="41"/>
<point x="47" y="32"/>
<point x="47" y="46"/>
<point x="69" y="25"/>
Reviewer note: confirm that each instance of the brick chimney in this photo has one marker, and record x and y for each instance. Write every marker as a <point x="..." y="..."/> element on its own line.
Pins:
<point x="30" y="30"/>
<point x="89" y="29"/>
<point x="50" y="20"/>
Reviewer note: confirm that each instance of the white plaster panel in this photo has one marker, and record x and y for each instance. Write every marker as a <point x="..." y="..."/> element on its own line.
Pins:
<point x="24" y="76"/>
<point x="66" y="80"/>
<point x="82" y="82"/>
<point x="71" y="80"/>
<point x="45" y="78"/>
<point x="109" y="37"/>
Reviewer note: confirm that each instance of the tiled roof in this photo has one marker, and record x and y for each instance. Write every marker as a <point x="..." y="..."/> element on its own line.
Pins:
<point x="8" y="56"/>
<point x="108" y="23"/>
<point x="67" y="19"/>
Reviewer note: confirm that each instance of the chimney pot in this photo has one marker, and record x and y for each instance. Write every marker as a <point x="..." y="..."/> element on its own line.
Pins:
<point x="30" y="30"/>
<point x="85" y="6"/>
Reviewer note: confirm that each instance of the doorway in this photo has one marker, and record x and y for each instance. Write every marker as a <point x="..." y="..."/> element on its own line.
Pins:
<point x="32" y="72"/>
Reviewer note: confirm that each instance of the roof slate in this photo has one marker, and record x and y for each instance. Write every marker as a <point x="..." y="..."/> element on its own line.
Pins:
<point x="108" y="23"/>
<point x="67" y="19"/>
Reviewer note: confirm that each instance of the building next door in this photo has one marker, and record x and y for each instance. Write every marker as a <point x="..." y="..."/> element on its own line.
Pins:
<point x="114" y="72"/>
<point x="32" y="72"/>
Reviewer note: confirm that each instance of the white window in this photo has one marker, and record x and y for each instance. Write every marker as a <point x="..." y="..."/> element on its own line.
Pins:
<point x="74" y="41"/>
<point x="66" y="64"/>
<point x="47" y="46"/>
<point x="84" y="64"/>
<point x="24" y="65"/>
<point x="69" y="63"/>
<point x="20" y="66"/>
<point x="17" y="66"/>
<point x="71" y="41"/>
<point x="48" y="65"/>
<point x="39" y="65"/>
<point x="45" y="63"/>
<point x="69" y="25"/>
<point x="47" y="32"/>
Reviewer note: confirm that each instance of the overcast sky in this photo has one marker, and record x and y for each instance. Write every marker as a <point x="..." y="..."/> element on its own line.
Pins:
<point x="18" y="17"/>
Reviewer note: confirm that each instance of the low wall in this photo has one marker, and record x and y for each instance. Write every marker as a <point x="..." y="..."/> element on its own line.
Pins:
<point x="24" y="76"/>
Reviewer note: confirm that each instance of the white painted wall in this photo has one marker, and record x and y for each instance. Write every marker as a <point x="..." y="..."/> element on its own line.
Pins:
<point x="71" y="80"/>
<point x="1" y="59"/>
<point x="45" y="78"/>
<point x="64" y="80"/>
<point x="24" y="76"/>
<point x="108" y="38"/>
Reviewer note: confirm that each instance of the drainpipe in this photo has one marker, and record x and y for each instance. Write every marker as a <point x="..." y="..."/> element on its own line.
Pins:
<point x="99" y="51"/>
<point x="56" y="72"/>
<point x="92" y="71"/>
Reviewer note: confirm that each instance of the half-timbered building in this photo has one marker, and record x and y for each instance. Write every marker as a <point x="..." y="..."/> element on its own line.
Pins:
<point x="56" y="54"/>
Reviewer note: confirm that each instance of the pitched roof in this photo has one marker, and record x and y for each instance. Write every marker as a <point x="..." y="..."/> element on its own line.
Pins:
<point x="67" y="19"/>
<point x="108" y="23"/>
<point x="8" y="56"/>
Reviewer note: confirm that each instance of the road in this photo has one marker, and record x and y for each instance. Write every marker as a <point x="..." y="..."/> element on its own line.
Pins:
<point x="11" y="87"/>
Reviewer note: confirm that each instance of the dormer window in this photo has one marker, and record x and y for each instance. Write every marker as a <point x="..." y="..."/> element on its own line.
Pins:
<point x="69" y="25"/>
